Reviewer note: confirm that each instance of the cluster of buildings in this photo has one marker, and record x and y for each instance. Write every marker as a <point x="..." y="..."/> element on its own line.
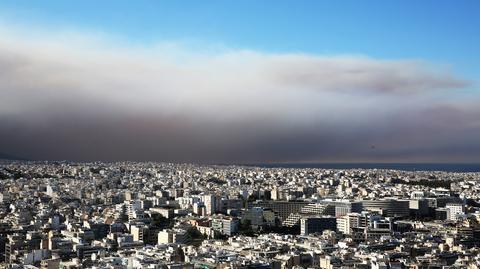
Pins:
<point x="160" y="215"/>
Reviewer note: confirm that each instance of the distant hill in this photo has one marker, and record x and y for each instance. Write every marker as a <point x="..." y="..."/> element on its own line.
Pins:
<point x="4" y="156"/>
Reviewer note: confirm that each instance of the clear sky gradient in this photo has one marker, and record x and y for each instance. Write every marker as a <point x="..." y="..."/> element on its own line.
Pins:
<point x="440" y="31"/>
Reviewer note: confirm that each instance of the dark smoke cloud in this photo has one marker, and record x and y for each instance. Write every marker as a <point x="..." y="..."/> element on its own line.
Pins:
<point x="91" y="100"/>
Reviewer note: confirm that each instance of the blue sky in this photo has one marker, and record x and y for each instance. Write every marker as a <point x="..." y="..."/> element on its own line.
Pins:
<point x="444" y="32"/>
<point x="241" y="81"/>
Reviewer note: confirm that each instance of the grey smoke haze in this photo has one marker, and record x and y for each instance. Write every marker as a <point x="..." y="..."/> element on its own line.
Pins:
<point x="77" y="98"/>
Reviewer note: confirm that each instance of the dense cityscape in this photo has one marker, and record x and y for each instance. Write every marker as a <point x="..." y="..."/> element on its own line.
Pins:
<point x="271" y="134"/>
<point x="163" y="215"/>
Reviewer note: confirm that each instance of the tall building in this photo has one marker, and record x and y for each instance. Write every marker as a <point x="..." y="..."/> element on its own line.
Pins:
<point x="347" y="222"/>
<point x="131" y="207"/>
<point x="455" y="210"/>
<point x="138" y="232"/>
<point x="210" y="202"/>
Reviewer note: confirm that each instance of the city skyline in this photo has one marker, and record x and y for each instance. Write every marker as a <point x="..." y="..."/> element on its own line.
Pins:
<point x="239" y="134"/>
<point x="227" y="82"/>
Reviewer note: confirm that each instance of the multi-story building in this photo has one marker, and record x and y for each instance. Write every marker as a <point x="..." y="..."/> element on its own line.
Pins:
<point x="210" y="202"/>
<point x="388" y="207"/>
<point x="455" y="210"/>
<point x="311" y="225"/>
<point x="170" y="236"/>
